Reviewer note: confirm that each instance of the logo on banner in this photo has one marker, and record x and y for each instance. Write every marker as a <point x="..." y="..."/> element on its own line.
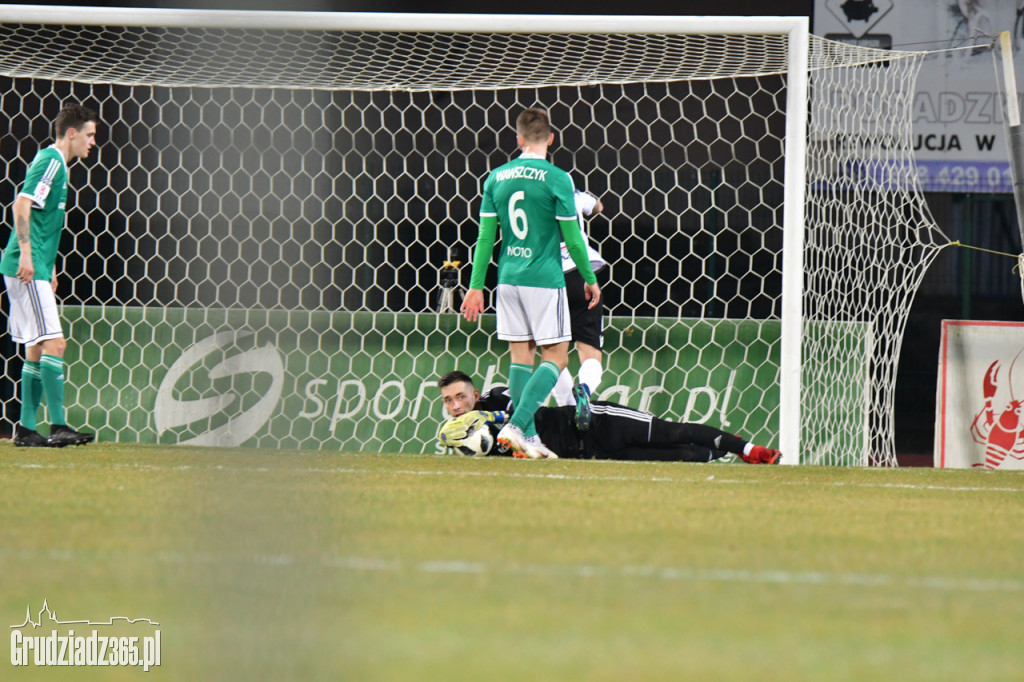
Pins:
<point x="224" y="391"/>
<point x="998" y="425"/>
<point x="62" y="647"/>
<point x="859" y="16"/>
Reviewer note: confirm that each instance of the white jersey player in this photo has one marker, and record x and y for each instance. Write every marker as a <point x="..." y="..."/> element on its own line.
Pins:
<point x="587" y="323"/>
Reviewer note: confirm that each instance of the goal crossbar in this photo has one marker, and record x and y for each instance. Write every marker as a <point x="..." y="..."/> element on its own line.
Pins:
<point x="388" y="22"/>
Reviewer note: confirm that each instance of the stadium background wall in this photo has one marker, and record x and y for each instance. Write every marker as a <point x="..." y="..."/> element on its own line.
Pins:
<point x="367" y="380"/>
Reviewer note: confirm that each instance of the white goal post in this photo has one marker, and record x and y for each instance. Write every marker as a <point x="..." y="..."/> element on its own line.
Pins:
<point x="253" y="254"/>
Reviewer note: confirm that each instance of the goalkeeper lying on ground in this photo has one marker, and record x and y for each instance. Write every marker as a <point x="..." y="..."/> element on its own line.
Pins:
<point x="616" y="432"/>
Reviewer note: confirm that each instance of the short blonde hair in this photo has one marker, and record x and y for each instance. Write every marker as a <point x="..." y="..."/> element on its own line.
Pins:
<point x="533" y="126"/>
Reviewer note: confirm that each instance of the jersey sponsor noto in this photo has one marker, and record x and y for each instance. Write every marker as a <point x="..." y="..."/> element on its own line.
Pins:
<point x="529" y="196"/>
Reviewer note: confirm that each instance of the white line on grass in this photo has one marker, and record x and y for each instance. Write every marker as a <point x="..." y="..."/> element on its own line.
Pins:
<point x="563" y="571"/>
<point x="708" y="478"/>
<point x="675" y="574"/>
<point x="912" y="486"/>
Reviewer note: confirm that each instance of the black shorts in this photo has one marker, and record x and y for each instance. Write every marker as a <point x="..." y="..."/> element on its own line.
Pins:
<point x="587" y="324"/>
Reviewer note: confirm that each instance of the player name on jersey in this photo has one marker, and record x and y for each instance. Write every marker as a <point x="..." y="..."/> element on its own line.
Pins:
<point x="520" y="172"/>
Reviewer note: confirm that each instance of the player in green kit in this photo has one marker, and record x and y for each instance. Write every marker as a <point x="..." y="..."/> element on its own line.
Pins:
<point x="29" y="268"/>
<point x="532" y="200"/>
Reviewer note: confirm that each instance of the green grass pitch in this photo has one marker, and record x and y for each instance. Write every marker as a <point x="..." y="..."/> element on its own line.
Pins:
<point x="284" y="565"/>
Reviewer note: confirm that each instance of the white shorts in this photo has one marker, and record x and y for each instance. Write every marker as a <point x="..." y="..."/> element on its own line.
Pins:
<point x="533" y="313"/>
<point x="33" y="316"/>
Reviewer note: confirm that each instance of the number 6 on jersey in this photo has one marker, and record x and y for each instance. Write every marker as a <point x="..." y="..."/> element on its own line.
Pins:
<point x="517" y="216"/>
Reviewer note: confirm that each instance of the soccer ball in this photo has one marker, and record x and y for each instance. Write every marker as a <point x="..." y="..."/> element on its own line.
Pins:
<point x="477" y="443"/>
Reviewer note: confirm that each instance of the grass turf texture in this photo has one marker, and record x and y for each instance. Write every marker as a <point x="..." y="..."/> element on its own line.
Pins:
<point x="289" y="565"/>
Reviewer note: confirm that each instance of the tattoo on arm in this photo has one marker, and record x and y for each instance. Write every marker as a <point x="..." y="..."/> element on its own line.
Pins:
<point x="21" y="228"/>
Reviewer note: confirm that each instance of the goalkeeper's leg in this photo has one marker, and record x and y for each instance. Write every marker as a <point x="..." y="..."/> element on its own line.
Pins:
<point x="664" y="432"/>
<point x="667" y="433"/>
<point x="620" y="432"/>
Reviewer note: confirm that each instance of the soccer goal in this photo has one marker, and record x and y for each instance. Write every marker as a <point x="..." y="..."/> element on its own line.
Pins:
<point x="261" y="252"/>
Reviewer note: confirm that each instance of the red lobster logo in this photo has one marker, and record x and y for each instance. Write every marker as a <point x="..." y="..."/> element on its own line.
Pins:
<point x="1004" y="436"/>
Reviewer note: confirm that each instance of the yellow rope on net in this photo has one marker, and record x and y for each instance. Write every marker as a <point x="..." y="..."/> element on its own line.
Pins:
<point x="978" y="248"/>
<point x="1019" y="257"/>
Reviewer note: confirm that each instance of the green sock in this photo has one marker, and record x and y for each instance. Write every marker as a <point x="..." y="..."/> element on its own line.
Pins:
<point x="51" y="370"/>
<point x="535" y="393"/>
<point x="31" y="394"/>
<point x="518" y="377"/>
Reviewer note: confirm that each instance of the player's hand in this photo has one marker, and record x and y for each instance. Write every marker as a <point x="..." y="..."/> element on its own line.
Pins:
<point x="53" y="283"/>
<point x="473" y="304"/>
<point x="25" y="267"/>
<point x="452" y="432"/>
<point x="592" y="293"/>
<point x="455" y="430"/>
<point x="475" y="418"/>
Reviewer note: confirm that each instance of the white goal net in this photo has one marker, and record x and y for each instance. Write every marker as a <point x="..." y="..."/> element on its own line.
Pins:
<point x="253" y="255"/>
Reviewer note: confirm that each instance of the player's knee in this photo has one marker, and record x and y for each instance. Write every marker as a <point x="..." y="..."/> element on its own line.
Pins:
<point x="588" y="352"/>
<point x="55" y="346"/>
<point x="557" y="353"/>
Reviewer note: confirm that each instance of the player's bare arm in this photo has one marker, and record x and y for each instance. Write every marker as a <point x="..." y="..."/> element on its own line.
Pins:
<point x="22" y="222"/>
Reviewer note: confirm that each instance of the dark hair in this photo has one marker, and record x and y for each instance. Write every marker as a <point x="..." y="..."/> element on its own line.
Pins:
<point x="454" y="377"/>
<point x="73" y="116"/>
<point x="533" y="125"/>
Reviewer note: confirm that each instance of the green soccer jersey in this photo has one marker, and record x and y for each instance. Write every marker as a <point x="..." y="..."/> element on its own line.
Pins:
<point x="532" y="199"/>
<point x="46" y="184"/>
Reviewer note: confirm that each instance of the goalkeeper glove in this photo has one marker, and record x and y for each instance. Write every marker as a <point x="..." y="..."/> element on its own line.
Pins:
<point x="454" y="430"/>
<point x="478" y="418"/>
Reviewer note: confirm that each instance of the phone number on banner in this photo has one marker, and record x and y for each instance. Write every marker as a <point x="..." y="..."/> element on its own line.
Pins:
<point x="965" y="176"/>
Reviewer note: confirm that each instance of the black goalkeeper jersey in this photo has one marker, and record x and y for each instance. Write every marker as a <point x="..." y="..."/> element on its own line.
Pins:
<point x="498" y="399"/>
<point x="616" y="432"/>
<point x="555" y="425"/>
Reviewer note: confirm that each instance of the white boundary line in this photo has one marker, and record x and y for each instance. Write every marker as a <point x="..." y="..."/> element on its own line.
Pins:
<point x="676" y="574"/>
<point x="699" y="478"/>
<point x="457" y="567"/>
